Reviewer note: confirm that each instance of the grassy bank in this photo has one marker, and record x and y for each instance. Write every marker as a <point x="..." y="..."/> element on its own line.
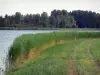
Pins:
<point x="57" y="53"/>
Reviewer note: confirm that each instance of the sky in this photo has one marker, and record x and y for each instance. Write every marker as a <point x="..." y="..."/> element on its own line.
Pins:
<point x="38" y="6"/>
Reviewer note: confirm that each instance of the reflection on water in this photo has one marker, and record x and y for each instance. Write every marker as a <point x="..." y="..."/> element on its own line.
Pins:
<point x="6" y="39"/>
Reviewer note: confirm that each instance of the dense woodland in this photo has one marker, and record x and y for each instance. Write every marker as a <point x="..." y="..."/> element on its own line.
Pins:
<point x="57" y="19"/>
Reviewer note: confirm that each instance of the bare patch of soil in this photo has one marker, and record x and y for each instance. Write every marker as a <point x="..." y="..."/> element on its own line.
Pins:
<point x="71" y="67"/>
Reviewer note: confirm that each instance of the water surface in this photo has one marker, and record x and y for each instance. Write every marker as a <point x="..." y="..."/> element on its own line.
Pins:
<point x="6" y="39"/>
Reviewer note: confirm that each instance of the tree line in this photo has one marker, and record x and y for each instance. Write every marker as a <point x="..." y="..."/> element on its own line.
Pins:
<point x="57" y="19"/>
<point x="86" y="19"/>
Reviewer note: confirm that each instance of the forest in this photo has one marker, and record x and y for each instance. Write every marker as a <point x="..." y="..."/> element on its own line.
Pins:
<point x="57" y="19"/>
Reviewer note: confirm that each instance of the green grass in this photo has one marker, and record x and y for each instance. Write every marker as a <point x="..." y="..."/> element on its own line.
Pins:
<point x="78" y="55"/>
<point x="95" y="51"/>
<point x="26" y="42"/>
<point x="85" y="64"/>
<point x="51" y="62"/>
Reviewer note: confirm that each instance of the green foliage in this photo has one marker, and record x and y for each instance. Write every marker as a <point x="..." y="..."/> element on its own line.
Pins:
<point x="84" y="62"/>
<point x="2" y="22"/>
<point x="63" y="19"/>
<point x="57" y="19"/>
<point x="17" y="17"/>
<point x="52" y="21"/>
<point x="44" y="19"/>
<point x="86" y="19"/>
<point x="95" y="50"/>
<point x="51" y="62"/>
<point x="26" y="42"/>
<point x="80" y="49"/>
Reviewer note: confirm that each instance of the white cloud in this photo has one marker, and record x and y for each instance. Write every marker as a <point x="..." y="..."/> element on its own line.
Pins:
<point x="38" y="6"/>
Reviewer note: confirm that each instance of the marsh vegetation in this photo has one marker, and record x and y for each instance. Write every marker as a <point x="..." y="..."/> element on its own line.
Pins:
<point x="56" y="53"/>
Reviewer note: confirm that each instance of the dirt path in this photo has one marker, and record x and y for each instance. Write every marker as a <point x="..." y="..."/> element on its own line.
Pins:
<point x="72" y="62"/>
<point x="84" y="59"/>
<point x="71" y="68"/>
